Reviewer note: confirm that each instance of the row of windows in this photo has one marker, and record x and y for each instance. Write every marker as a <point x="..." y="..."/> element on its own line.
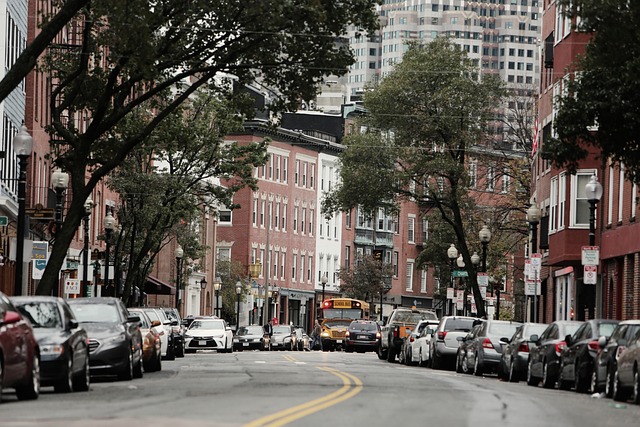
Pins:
<point x="277" y="169"/>
<point x="489" y="179"/>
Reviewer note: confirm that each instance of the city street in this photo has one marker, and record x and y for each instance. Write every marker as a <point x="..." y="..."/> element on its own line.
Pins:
<point x="311" y="389"/>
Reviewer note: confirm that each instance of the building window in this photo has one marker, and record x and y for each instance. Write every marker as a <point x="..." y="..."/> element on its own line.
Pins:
<point x="285" y="169"/>
<point x="262" y="208"/>
<point x="553" y="204"/>
<point x="312" y="180"/>
<point x="562" y="199"/>
<point x="277" y="219"/>
<point x="311" y="215"/>
<point x="423" y="280"/>
<point x="295" y="219"/>
<point x="284" y="218"/>
<point x="309" y="268"/>
<point x="411" y="229"/>
<point x="297" y="176"/>
<point x="609" y="196"/>
<point x="621" y="193"/>
<point x="396" y="257"/>
<point x="347" y="219"/>
<point x="490" y="178"/>
<point x="506" y="183"/>
<point x="579" y="205"/>
<point x="473" y="173"/>
<point x="425" y="230"/>
<point x="271" y="161"/>
<point x="224" y="216"/>
<point x="294" y="264"/>
<point x="409" y="275"/>
<point x="254" y="218"/>
<point x="303" y="219"/>
<point x="347" y="258"/>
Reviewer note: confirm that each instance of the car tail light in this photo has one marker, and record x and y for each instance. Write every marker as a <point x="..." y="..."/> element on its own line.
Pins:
<point x="441" y="335"/>
<point x="593" y="345"/>
<point x="523" y="347"/>
<point x="560" y="346"/>
<point x="396" y="332"/>
<point x="487" y="343"/>
<point x="378" y="335"/>
<point x="619" y="351"/>
<point x="347" y="334"/>
<point x="412" y="338"/>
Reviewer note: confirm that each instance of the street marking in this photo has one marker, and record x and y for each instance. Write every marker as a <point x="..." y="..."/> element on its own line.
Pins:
<point x="352" y="385"/>
<point x="260" y="361"/>
<point x="290" y="358"/>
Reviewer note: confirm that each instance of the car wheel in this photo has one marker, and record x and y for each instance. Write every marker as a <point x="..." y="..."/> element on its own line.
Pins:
<point x="608" y="384"/>
<point x="1" y="380"/>
<point x="158" y="363"/>
<point x="391" y="355"/>
<point x="82" y="381"/>
<point x="171" y="351"/>
<point x="459" y="362"/>
<point x="562" y="384"/>
<point x="513" y="378"/>
<point x="382" y="354"/>
<point x="420" y="360"/>
<point x="619" y="394"/>
<point x="31" y="387"/>
<point x="531" y="380"/>
<point x="580" y="379"/>
<point x="137" y="369"/>
<point x="127" y="372"/>
<point x="65" y="385"/>
<point x="477" y="369"/>
<point x="636" y="387"/>
<point x="435" y="361"/>
<point x="180" y="350"/>
<point x="547" y="381"/>
<point x="593" y="384"/>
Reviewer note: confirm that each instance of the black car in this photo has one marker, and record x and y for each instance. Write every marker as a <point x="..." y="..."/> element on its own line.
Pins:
<point x="250" y="338"/>
<point x="578" y="357"/>
<point x="64" y="352"/>
<point x="606" y="361"/>
<point x="515" y="354"/>
<point x="544" y="358"/>
<point x="361" y="336"/>
<point x="115" y="341"/>
<point x="179" y="330"/>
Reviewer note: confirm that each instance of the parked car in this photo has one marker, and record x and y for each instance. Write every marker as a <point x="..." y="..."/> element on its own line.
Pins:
<point x="485" y="349"/>
<point x="64" y="351"/>
<point x="578" y="357"/>
<point x="626" y="379"/>
<point x="462" y="363"/>
<point x="178" y="329"/>
<point x="361" y="336"/>
<point x="443" y="348"/>
<point x="250" y="338"/>
<point x="151" y="331"/>
<point x="166" y="339"/>
<point x="544" y="358"/>
<point x="607" y="360"/>
<point x="283" y="337"/>
<point x="408" y="352"/>
<point x="515" y="354"/>
<point x="422" y="345"/>
<point x="19" y="353"/>
<point x="302" y="339"/>
<point x="115" y="340"/>
<point x="208" y="333"/>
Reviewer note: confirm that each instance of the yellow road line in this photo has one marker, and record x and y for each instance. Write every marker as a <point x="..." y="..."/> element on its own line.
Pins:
<point x="290" y="358"/>
<point x="351" y="386"/>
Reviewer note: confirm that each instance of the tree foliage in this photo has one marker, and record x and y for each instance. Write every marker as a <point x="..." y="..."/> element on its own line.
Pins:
<point x="601" y="96"/>
<point x="128" y="57"/>
<point x="366" y="279"/>
<point x="424" y="119"/>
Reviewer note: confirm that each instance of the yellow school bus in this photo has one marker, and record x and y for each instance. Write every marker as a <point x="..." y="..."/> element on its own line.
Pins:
<point x="337" y="314"/>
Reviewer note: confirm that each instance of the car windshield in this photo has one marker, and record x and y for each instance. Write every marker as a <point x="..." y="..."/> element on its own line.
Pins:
<point x="363" y="326"/>
<point x="606" y="329"/>
<point x="342" y="313"/>
<point x="250" y="330"/>
<point x="534" y="330"/>
<point x="459" y="325"/>
<point x="336" y="323"/>
<point x="502" y="329"/>
<point x="281" y="329"/>
<point x="207" y="324"/>
<point x="97" y="313"/>
<point x="143" y="319"/>
<point x="413" y="317"/>
<point x="42" y="314"/>
<point x="153" y="315"/>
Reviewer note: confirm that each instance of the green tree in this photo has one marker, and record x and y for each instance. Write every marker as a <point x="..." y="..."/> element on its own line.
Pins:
<point x="126" y="57"/>
<point x="167" y="182"/>
<point x="423" y="120"/>
<point x="601" y="94"/>
<point x="366" y="279"/>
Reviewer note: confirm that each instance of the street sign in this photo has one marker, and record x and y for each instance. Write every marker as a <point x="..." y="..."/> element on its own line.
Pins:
<point x="4" y="221"/>
<point x="40" y="212"/>
<point x="536" y="262"/>
<point x="449" y="293"/>
<point x="590" y="255"/>
<point x="72" y="286"/>
<point x="460" y="273"/>
<point x="590" y="274"/>
<point x="459" y="300"/>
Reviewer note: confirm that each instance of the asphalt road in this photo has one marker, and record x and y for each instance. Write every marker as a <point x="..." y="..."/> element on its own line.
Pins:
<point x="255" y="389"/>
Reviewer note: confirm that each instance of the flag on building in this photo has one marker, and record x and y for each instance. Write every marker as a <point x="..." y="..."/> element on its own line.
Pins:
<point x="534" y="144"/>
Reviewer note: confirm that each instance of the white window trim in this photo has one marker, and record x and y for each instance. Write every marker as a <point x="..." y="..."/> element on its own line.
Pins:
<point x="553" y="205"/>
<point x="411" y="225"/>
<point x="423" y="281"/>
<point x="621" y="193"/>
<point x="409" y="275"/>
<point x="610" y="196"/>
<point x="562" y="200"/>
<point x="573" y="194"/>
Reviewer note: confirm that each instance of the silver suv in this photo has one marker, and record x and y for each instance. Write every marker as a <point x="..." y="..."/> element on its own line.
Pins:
<point x="443" y="347"/>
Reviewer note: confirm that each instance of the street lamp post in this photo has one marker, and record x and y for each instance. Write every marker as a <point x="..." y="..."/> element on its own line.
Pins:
<point x="533" y="216"/>
<point x="238" y="292"/>
<point x="60" y="182"/>
<point x="452" y="254"/>
<point x="179" y="253"/>
<point x="23" y="146"/>
<point x="109" y="226"/>
<point x="485" y="238"/>
<point x="217" y="284"/>
<point x="593" y="190"/>
<point x="203" y="287"/>
<point x="460" y="264"/>
<point x="88" y="205"/>
<point x="324" y="281"/>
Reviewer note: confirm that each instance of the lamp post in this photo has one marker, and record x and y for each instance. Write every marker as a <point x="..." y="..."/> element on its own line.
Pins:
<point x="452" y="254"/>
<point x="23" y="146"/>
<point x="109" y="226"/>
<point x="593" y="190"/>
<point x="238" y="292"/>
<point x="485" y="238"/>
<point x="60" y="182"/>
<point x="460" y="264"/>
<point x="203" y="287"/>
<point x="533" y="217"/>
<point x="217" y="284"/>
<point x="324" y="281"/>
<point x="88" y="205"/>
<point x="179" y="253"/>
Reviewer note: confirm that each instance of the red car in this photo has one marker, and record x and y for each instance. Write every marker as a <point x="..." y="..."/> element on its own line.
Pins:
<point x="19" y="353"/>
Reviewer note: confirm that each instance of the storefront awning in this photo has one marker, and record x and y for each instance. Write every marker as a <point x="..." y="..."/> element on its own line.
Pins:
<point x="155" y="286"/>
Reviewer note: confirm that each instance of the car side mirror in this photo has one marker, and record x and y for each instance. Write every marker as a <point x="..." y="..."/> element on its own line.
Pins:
<point x="534" y="338"/>
<point x="133" y="319"/>
<point x="155" y="323"/>
<point x="567" y="340"/>
<point x="505" y="340"/>
<point x="73" y="324"/>
<point x="174" y="323"/>
<point x="602" y="341"/>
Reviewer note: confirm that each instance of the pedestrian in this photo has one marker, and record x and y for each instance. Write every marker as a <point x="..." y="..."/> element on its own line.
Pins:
<point x="317" y="335"/>
<point x="268" y="332"/>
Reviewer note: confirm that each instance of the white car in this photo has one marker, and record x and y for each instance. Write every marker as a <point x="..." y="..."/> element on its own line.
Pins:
<point x="166" y="343"/>
<point x="420" y="347"/>
<point x="208" y="333"/>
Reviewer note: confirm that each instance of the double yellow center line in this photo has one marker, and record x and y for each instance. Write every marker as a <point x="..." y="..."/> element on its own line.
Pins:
<point x="351" y="386"/>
